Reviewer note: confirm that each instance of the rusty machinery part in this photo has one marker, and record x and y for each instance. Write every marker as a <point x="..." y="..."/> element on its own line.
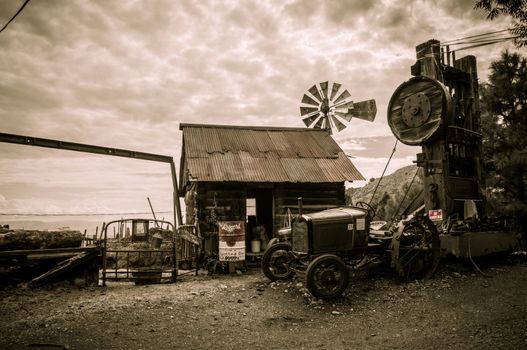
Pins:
<point x="276" y="260"/>
<point x="416" y="248"/>
<point x="418" y="110"/>
<point x="367" y="206"/>
<point x="325" y="106"/>
<point x="327" y="277"/>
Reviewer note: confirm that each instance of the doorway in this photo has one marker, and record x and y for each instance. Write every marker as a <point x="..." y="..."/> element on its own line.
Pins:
<point x="260" y="210"/>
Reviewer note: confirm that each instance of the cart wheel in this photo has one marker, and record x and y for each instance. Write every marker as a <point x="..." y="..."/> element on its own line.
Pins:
<point x="327" y="277"/>
<point x="418" y="249"/>
<point x="276" y="260"/>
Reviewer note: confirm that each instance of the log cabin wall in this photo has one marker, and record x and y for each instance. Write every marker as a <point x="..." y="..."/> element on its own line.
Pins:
<point x="315" y="197"/>
<point x="227" y="202"/>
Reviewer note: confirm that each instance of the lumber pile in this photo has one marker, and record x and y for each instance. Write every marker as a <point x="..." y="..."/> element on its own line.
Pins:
<point x="34" y="239"/>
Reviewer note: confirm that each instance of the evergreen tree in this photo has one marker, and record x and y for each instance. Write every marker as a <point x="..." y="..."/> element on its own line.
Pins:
<point x="504" y="124"/>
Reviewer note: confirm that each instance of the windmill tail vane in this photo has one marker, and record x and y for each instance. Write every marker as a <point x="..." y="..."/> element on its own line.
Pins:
<point x="325" y="108"/>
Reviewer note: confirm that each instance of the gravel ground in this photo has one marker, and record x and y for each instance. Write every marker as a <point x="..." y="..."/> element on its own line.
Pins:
<point x="458" y="309"/>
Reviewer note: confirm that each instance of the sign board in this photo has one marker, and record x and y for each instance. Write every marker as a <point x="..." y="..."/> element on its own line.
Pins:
<point x="435" y="215"/>
<point x="140" y="229"/>
<point x="231" y="240"/>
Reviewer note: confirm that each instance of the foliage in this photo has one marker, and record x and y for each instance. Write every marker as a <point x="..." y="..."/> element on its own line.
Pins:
<point x="517" y="9"/>
<point x="504" y="124"/>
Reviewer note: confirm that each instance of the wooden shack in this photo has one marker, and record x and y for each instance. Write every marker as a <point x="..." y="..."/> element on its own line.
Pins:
<point x="256" y="174"/>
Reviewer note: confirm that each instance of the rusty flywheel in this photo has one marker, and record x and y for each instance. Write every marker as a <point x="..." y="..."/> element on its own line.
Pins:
<point x="418" y="110"/>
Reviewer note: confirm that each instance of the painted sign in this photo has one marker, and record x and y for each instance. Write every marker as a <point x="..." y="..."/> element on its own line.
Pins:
<point x="231" y="240"/>
<point x="435" y="215"/>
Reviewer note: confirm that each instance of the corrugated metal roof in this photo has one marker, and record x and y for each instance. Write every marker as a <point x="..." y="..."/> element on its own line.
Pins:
<point x="258" y="154"/>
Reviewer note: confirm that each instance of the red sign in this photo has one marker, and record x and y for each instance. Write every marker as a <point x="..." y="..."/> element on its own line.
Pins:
<point x="435" y="215"/>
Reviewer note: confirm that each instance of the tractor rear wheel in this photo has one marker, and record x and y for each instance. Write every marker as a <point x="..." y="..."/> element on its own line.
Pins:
<point x="276" y="260"/>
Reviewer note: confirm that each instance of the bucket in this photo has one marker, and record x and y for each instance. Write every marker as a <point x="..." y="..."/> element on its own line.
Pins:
<point x="255" y="246"/>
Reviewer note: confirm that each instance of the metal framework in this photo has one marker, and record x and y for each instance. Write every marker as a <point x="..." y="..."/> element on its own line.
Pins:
<point x="109" y="151"/>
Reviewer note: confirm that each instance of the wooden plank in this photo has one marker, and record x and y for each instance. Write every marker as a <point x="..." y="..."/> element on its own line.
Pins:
<point x="63" y="267"/>
<point x="34" y="252"/>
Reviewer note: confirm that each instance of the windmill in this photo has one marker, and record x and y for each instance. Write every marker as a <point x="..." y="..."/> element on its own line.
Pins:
<point x="323" y="108"/>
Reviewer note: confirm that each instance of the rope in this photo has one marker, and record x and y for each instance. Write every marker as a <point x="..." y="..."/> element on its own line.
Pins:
<point x="380" y="179"/>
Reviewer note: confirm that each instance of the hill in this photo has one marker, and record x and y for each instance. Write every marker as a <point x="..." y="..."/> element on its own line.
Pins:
<point x="391" y="198"/>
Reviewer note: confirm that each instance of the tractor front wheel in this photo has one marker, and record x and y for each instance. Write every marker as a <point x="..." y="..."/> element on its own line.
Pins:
<point x="327" y="277"/>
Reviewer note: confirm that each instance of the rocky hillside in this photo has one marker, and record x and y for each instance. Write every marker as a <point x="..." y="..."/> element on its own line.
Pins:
<point x="392" y="190"/>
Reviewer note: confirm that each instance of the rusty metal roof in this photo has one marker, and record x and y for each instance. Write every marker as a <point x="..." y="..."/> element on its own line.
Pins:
<point x="220" y="153"/>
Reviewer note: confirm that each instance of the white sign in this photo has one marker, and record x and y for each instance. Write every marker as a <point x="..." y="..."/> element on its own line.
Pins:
<point x="361" y="224"/>
<point x="234" y="253"/>
<point x="231" y="240"/>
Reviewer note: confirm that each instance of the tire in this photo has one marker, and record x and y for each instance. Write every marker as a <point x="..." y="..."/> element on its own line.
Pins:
<point x="275" y="262"/>
<point x="327" y="277"/>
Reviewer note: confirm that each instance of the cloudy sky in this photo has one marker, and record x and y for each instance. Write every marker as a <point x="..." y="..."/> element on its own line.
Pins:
<point x="124" y="74"/>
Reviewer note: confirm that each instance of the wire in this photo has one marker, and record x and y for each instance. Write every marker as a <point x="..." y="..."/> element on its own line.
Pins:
<point x="484" y="44"/>
<point x="396" y="213"/>
<point x="474" y="36"/>
<point x="80" y="214"/>
<point x="380" y="179"/>
<point x="16" y="14"/>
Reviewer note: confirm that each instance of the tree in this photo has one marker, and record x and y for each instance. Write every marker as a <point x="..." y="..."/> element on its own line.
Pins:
<point x="504" y="124"/>
<point x="517" y="9"/>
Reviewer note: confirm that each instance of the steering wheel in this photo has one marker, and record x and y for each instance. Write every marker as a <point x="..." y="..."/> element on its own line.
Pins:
<point x="364" y="205"/>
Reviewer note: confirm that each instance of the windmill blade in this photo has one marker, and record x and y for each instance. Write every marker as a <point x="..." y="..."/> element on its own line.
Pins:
<point x="365" y="110"/>
<point x="309" y="120"/>
<point x="345" y="106"/>
<point x="343" y="96"/>
<point x="338" y="124"/>
<point x="324" y="87"/>
<point x="344" y="115"/>
<point x="308" y="100"/>
<point x="307" y="110"/>
<point x="334" y="89"/>
<point x="319" y="123"/>
<point x="314" y="91"/>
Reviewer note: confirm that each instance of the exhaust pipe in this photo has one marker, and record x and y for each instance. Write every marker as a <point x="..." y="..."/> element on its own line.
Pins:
<point x="300" y="211"/>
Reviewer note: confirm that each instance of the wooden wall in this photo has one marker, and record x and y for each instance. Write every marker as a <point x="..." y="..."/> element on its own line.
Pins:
<point x="227" y="201"/>
<point x="315" y="197"/>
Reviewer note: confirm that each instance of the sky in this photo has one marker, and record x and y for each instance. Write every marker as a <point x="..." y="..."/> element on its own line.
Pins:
<point x="125" y="74"/>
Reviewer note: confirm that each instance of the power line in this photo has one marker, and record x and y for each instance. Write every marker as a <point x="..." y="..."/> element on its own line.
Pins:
<point x="81" y="214"/>
<point x="479" y="44"/>
<point x="16" y="14"/>
<point x="475" y="36"/>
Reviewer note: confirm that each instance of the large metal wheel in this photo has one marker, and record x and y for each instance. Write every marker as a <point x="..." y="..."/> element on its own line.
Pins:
<point x="327" y="277"/>
<point x="418" y="110"/>
<point x="276" y="260"/>
<point x="416" y="249"/>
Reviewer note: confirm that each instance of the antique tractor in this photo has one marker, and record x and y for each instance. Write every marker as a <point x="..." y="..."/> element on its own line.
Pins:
<point x="326" y="246"/>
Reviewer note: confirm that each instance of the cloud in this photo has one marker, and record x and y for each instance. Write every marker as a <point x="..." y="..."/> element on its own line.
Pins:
<point x="125" y="74"/>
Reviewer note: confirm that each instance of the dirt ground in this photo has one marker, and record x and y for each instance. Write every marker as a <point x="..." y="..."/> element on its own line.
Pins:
<point x="458" y="309"/>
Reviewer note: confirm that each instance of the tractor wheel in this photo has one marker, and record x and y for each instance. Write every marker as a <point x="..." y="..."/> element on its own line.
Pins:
<point x="327" y="277"/>
<point x="418" y="249"/>
<point x="275" y="262"/>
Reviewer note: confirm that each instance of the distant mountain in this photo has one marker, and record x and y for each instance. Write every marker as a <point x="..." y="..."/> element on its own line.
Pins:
<point x="393" y="189"/>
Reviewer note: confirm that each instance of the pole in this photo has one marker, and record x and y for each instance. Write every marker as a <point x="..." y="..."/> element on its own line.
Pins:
<point x="152" y="209"/>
